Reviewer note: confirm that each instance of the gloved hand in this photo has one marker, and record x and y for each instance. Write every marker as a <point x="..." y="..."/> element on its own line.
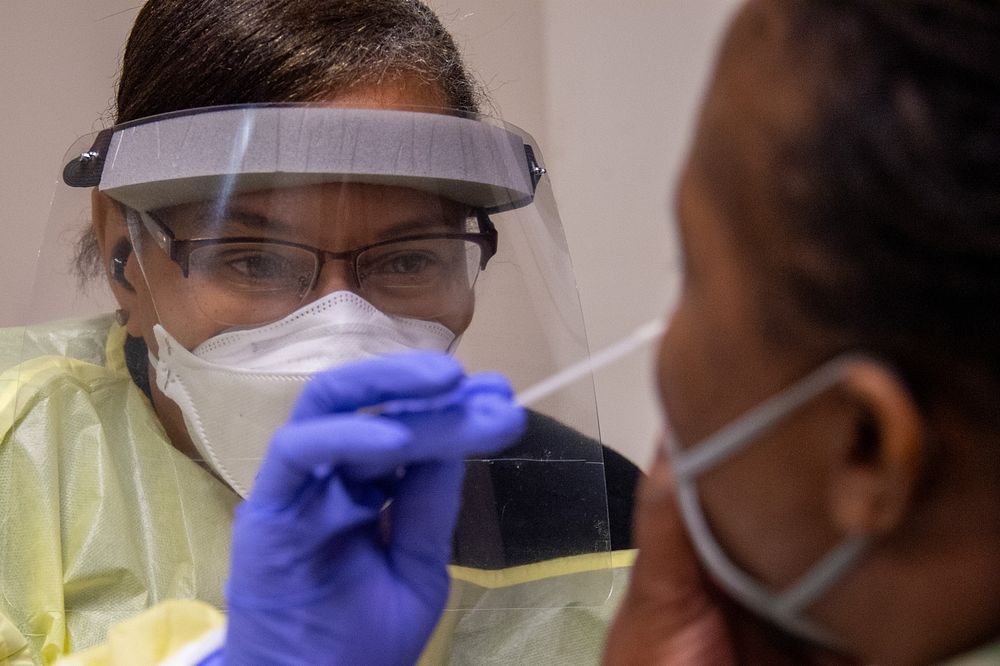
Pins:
<point x="319" y="575"/>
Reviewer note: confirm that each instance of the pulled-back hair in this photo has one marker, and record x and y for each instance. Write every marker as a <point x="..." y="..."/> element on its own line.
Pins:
<point x="895" y="186"/>
<point x="189" y="53"/>
<point x="184" y="54"/>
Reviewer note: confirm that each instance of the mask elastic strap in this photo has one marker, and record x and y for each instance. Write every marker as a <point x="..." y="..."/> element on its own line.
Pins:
<point x="747" y="590"/>
<point x="783" y="608"/>
<point x="740" y="433"/>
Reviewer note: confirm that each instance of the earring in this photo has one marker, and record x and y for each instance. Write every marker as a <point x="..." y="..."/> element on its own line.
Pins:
<point x="121" y="316"/>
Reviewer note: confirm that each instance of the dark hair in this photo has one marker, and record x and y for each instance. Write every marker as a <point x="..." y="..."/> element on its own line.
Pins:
<point x="890" y="196"/>
<point x="184" y="54"/>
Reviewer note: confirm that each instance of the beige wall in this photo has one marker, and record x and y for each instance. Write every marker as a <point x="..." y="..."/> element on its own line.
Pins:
<point x="607" y="87"/>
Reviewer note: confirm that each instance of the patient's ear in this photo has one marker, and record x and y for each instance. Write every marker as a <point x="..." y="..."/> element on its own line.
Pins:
<point x="872" y="488"/>
<point x="111" y="231"/>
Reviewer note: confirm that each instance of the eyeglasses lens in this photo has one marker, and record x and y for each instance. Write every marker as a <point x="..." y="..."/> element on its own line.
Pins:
<point x="247" y="284"/>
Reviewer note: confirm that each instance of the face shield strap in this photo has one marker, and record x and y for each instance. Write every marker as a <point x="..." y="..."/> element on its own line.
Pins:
<point x="784" y="607"/>
<point x="195" y="156"/>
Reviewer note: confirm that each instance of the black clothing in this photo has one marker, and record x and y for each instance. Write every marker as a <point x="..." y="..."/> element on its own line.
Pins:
<point x="533" y="506"/>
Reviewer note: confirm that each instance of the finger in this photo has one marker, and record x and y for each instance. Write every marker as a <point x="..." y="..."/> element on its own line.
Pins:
<point x="370" y="382"/>
<point x="366" y="446"/>
<point x="666" y="557"/>
<point x="489" y="382"/>
<point x="298" y="450"/>
<point x="326" y="509"/>
<point x="494" y="383"/>
<point x="483" y="424"/>
<point x="479" y="424"/>
<point x="424" y="512"/>
<point x="668" y="613"/>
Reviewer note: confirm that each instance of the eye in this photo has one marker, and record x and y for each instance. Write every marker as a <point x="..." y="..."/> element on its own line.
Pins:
<point x="408" y="262"/>
<point x="250" y="266"/>
<point x="406" y="265"/>
<point x="257" y="265"/>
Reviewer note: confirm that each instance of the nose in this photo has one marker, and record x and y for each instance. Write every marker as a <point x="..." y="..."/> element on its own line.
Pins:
<point x="335" y="275"/>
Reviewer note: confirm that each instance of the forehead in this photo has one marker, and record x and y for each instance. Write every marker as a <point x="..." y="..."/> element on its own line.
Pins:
<point x="760" y="108"/>
<point x="402" y="91"/>
<point x="313" y="212"/>
<point x="765" y="79"/>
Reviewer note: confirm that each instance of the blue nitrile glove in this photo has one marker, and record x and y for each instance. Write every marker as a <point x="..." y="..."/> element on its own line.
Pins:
<point x="319" y="575"/>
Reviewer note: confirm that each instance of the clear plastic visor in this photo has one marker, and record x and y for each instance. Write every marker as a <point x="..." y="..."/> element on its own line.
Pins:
<point x="220" y="232"/>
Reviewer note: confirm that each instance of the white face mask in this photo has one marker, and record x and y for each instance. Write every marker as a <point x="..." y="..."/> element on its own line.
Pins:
<point x="237" y="388"/>
<point x="784" y="608"/>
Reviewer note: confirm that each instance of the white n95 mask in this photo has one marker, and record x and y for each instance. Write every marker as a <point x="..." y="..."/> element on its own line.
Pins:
<point x="785" y="607"/>
<point x="235" y="389"/>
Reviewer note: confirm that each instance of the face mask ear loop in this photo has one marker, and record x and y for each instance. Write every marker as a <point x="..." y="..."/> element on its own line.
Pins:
<point x="747" y="428"/>
<point x="738" y="583"/>
<point x="688" y="464"/>
<point x="807" y="589"/>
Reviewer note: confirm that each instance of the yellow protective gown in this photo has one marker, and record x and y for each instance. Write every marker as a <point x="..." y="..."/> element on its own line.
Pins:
<point x="101" y="518"/>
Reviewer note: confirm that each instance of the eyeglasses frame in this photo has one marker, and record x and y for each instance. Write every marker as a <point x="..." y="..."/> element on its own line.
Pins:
<point x="179" y="250"/>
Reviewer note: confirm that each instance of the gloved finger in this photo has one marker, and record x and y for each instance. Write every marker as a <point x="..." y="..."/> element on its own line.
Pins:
<point x="365" y="446"/>
<point x="491" y="382"/>
<point x="424" y="512"/>
<point x="480" y="423"/>
<point x="298" y="450"/>
<point x="268" y="542"/>
<point x="373" y="381"/>
<point x="488" y="382"/>
<point x="483" y="424"/>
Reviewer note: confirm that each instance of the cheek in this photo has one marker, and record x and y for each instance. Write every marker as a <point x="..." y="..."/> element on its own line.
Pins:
<point x="686" y="373"/>
<point x="755" y="502"/>
<point x="459" y="319"/>
<point x="766" y="508"/>
<point x="163" y="299"/>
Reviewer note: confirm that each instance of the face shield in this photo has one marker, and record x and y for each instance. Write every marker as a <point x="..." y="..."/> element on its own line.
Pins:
<point x="259" y="244"/>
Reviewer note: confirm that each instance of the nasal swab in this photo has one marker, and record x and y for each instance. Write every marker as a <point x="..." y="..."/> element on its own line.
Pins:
<point x="633" y="341"/>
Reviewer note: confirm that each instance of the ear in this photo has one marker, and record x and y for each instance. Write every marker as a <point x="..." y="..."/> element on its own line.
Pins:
<point x="109" y="226"/>
<point x="873" y="485"/>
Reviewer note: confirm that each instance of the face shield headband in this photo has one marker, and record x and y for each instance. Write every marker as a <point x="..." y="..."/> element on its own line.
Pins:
<point x="197" y="155"/>
<point x="785" y="607"/>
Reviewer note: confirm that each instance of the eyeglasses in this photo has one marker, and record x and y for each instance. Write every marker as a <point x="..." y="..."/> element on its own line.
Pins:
<point x="245" y="281"/>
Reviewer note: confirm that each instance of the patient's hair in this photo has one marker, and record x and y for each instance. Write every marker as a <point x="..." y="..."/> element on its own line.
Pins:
<point x="185" y="54"/>
<point x="894" y="185"/>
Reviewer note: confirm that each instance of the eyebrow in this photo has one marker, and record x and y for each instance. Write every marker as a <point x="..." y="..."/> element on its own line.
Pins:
<point x="251" y="220"/>
<point x="407" y="227"/>
<point x="420" y="225"/>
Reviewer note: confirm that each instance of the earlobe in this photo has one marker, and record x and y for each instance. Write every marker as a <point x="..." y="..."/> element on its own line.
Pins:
<point x="880" y="468"/>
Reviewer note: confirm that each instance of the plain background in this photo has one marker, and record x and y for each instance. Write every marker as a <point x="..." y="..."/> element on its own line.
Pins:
<point x="609" y="88"/>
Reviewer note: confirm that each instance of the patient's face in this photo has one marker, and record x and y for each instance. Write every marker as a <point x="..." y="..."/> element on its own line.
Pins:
<point x="719" y="358"/>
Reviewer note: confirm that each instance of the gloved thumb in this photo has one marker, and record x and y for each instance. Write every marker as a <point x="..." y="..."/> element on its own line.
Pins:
<point x="373" y="381"/>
